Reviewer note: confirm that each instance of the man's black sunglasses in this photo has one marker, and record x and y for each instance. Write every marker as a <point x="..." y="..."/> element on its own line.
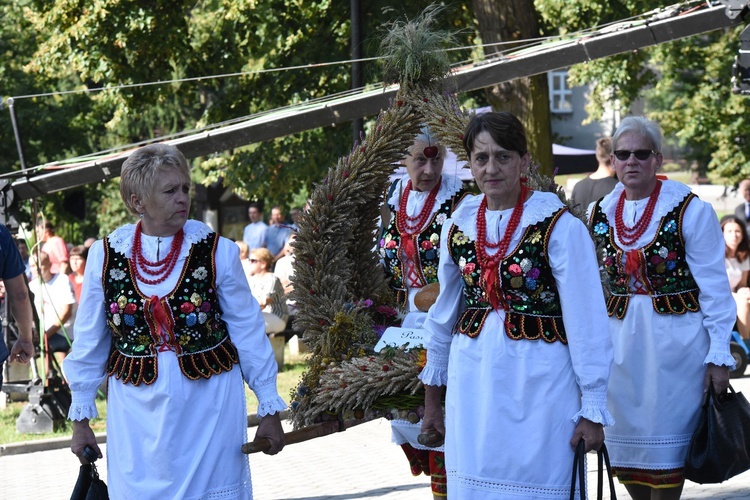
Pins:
<point x="640" y="154"/>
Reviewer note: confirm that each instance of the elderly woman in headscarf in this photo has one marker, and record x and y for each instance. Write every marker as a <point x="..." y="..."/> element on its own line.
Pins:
<point x="519" y="333"/>
<point x="671" y="312"/>
<point x="167" y="318"/>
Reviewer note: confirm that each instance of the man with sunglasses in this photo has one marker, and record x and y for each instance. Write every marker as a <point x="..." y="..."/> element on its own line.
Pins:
<point x="671" y="312"/>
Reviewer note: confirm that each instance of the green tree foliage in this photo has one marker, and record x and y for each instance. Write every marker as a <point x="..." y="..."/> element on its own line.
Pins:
<point x="685" y="84"/>
<point x="110" y="48"/>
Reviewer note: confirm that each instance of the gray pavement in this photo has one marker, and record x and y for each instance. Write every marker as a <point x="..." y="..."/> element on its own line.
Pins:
<point x="358" y="463"/>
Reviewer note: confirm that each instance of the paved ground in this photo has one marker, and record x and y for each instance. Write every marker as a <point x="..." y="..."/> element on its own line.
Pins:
<point x="358" y="463"/>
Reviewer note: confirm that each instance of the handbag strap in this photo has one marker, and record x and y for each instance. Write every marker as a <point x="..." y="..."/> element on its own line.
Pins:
<point x="579" y="469"/>
<point x="603" y="456"/>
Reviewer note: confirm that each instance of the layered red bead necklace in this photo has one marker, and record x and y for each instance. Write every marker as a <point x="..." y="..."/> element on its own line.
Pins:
<point x="160" y="269"/>
<point x="629" y="235"/>
<point x="408" y="226"/>
<point x="490" y="263"/>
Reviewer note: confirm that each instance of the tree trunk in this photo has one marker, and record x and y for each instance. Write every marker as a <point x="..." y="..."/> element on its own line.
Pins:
<point x="527" y="98"/>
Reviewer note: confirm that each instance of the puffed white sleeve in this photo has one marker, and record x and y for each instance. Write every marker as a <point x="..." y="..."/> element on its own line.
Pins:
<point x="442" y="315"/>
<point x="572" y="256"/>
<point x="704" y="246"/>
<point x="247" y="330"/>
<point x="85" y="367"/>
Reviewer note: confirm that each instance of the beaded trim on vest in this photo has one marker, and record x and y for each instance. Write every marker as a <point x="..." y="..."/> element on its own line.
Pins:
<point x="528" y="287"/>
<point x="665" y="273"/>
<point x="191" y="311"/>
<point x="427" y="243"/>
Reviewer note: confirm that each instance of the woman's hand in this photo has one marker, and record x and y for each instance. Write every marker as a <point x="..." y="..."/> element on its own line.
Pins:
<point x="83" y="436"/>
<point x="718" y="376"/>
<point x="591" y="433"/>
<point x="433" y="420"/>
<point x="270" y="428"/>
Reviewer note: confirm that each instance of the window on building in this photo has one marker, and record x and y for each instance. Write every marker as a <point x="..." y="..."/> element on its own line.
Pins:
<point x="560" y="95"/>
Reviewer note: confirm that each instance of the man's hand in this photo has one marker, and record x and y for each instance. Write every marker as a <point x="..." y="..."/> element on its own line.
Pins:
<point x="22" y="351"/>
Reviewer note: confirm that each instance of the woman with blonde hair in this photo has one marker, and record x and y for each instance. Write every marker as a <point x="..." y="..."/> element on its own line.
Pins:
<point x="267" y="290"/>
<point x="244" y="254"/>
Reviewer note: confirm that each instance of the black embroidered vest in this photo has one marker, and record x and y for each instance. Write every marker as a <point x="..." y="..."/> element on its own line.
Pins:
<point x="527" y="284"/>
<point x="427" y="244"/>
<point x="197" y="333"/>
<point x="664" y="272"/>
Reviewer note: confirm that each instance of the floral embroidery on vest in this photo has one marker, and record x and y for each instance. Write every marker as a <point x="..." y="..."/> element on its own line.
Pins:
<point x="191" y="312"/>
<point x="665" y="273"/>
<point x="428" y="245"/>
<point x="529" y="289"/>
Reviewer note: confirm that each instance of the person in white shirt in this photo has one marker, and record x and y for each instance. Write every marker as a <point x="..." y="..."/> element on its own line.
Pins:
<point x="737" y="263"/>
<point x="55" y="304"/>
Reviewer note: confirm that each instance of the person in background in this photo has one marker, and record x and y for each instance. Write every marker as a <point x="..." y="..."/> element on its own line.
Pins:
<point x="737" y="264"/>
<point x="294" y="216"/>
<point x="671" y="312"/>
<point x="255" y="232"/>
<point x="284" y="270"/>
<point x="17" y="294"/>
<point x="77" y="260"/>
<point x="267" y="290"/>
<point x="55" y="305"/>
<point x="416" y="207"/>
<point x="742" y="212"/>
<point x="168" y="320"/>
<point x="601" y="182"/>
<point x="519" y="337"/>
<point x="23" y="249"/>
<point x="54" y="246"/>
<point x="244" y="254"/>
<point x="277" y="233"/>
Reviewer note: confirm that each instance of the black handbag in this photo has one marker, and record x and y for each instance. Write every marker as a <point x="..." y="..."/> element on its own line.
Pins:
<point x="89" y="486"/>
<point x="719" y="447"/>
<point x="579" y="469"/>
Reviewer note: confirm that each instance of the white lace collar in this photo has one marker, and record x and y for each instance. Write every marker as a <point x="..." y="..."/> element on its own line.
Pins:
<point x="449" y="186"/>
<point x="538" y="207"/>
<point x="121" y="238"/>
<point x="671" y="194"/>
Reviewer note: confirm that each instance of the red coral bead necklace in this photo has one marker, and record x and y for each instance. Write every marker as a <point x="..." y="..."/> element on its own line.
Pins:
<point x="408" y="226"/>
<point x="490" y="263"/>
<point x="629" y="235"/>
<point x="504" y="243"/>
<point x="160" y="269"/>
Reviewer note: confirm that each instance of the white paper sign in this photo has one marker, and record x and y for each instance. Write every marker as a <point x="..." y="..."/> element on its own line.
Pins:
<point x="396" y="337"/>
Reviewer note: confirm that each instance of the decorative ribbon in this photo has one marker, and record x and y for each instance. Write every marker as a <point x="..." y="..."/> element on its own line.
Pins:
<point x="160" y="321"/>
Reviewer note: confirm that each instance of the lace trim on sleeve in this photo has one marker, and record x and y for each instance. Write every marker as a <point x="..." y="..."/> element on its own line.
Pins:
<point x="83" y="405"/>
<point x="269" y="407"/>
<point x="435" y="371"/>
<point x="594" y="407"/>
<point x="269" y="400"/>
<point x="720" y="357"/>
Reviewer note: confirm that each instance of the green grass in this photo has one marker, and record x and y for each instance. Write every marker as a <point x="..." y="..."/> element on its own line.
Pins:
<point x="286" y="380"/>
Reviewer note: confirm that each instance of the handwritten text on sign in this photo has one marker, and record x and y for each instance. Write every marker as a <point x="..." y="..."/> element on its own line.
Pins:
<point x="397" y="337"/>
